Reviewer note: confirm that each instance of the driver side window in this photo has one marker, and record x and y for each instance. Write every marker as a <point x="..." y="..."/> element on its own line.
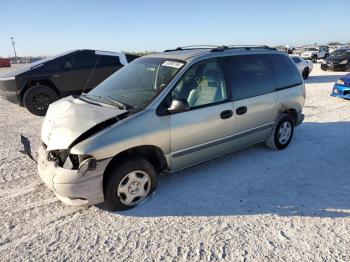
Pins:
<point x="202" y="84"/>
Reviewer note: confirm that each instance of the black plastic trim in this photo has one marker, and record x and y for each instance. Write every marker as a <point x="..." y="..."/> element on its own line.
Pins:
<point x="97" y="128"/>
<point x="221" y="141"/>
<point x="289" y="86"/>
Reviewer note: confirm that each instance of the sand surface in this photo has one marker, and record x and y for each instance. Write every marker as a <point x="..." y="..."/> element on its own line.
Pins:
<point x="252" y="205"/>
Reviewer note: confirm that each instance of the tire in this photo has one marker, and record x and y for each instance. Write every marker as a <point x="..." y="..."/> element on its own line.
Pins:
<point x="275" y="140"/>
<point x="306" y="73"/>
<point x="314" y="59"/>
<point x="125" y="182"/>
<point x="38" y="98"/>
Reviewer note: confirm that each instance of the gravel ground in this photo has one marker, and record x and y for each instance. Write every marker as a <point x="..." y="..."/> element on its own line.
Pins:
<point x="252" y="205"/>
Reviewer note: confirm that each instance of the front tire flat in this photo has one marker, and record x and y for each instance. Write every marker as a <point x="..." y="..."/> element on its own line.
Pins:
<point x="129" y="184"/>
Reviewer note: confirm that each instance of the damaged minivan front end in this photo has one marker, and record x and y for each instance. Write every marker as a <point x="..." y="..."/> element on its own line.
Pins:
<point x="76" y="179"/>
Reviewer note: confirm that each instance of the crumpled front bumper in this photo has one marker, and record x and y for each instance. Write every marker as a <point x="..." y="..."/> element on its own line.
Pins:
<point x="341" y="91"/>
<point x="70" y="187"/>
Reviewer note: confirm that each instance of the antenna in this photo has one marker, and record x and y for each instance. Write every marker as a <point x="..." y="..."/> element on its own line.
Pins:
<point x="13" y="45"/>
<point x="91" y="73"/>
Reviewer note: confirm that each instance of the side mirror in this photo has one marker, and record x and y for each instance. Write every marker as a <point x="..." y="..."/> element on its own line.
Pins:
<point x="178" y="105"/>
<point x="67" y="66"/>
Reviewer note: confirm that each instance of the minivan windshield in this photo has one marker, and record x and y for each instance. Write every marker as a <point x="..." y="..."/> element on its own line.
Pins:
<point x="341" y="53"/>
<point x="137" y="84"/>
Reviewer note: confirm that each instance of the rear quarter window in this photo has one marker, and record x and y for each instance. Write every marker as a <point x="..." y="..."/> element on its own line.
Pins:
<point x="248" y="75"/>
<point x="286" y="73"/>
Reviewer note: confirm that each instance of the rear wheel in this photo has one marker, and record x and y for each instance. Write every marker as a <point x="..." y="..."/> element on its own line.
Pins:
<point x="306" y="73"/>
<point x="129" y="184"/>
<point x="314" y="59"/>
<point x="38" y="98"/>
<point x="282" y="133"/>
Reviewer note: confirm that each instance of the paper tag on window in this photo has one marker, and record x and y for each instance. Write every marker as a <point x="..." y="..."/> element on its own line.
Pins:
<point x="172" y="64"/>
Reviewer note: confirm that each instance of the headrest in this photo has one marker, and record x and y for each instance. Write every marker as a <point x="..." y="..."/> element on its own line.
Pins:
<point x="211" y="76"/>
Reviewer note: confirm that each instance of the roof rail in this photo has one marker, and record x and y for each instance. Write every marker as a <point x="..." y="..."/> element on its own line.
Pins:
<point x="219" y="48"/>
<point x="190" y="47"/>
<point x="246" y="47"/>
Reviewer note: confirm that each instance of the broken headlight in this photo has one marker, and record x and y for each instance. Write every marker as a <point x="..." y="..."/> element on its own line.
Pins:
<point x="82" y="163"/>
<point x="86" y="165"/>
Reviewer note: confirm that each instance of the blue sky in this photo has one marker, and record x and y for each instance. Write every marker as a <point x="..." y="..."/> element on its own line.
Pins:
<point x="49" y="27"/>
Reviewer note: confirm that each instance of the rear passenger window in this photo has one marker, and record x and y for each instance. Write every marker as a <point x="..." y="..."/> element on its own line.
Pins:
<point x="286" y="73"/>
<point x="249" y="75"/>
<point x="105" y="60"/>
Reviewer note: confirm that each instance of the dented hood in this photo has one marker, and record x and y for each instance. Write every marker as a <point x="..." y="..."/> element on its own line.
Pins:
<point x="69" y="118"/>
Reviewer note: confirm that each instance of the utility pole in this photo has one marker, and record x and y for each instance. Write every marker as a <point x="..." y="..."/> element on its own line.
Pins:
<point x="13" y="45"/>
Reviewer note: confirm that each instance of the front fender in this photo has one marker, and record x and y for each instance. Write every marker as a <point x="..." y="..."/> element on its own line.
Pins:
<point x="144" y="129"/>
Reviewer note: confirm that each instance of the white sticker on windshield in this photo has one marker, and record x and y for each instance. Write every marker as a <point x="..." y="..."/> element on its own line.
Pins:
<point x="172" y="64"/>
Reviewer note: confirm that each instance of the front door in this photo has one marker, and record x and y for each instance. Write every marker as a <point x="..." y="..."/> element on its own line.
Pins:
<point x="77" y="72"/>
<point x="202" y="132"/>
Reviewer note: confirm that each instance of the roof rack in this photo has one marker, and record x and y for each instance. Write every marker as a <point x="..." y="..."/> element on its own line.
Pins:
<point x="246" y="47"/>
<point x="219" y="48"/>
<point x="191" y="47"/>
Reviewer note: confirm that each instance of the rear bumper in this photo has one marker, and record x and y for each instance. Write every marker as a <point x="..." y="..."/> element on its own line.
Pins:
<point x="70" y="187"/>
<point x="341" y="91"/>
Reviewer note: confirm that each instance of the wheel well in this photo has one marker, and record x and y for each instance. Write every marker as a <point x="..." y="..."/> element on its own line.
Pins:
<point x="44" y="82"/>
<point x="292" y="113"/>
<point x="152" y="153"/>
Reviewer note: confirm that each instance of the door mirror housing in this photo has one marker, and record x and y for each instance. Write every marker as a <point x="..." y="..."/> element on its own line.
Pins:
<point x="67" y="65"/>
<point x="178" y="105"/>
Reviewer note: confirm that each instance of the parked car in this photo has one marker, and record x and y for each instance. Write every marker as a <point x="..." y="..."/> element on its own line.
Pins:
<point x="5" y="62"/>
<point x="304" y="66"/>
<point x="338" y="60"/>
<point x="37" y="85"/>
<point x="342" y="87"/>
<point x="315" y="53"/>
<point x="165" y="112"/>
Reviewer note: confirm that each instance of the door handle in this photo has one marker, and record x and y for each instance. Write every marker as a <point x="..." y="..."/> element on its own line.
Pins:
<point x="241" y="110"/>
<point x="226" y="114"/>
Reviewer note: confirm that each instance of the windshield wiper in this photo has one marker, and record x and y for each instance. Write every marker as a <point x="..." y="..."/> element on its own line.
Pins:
<point x="89" y="95"/>
<point x="119" y="104"/>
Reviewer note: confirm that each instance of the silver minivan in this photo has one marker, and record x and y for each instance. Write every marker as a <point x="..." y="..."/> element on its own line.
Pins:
<point x="165" y="112"/>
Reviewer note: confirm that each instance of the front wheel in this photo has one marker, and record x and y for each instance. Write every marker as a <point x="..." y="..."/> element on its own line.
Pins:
<point x="281" y="134"/>
<point x="129" y="183"/>
<point x="38" y="98"/>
